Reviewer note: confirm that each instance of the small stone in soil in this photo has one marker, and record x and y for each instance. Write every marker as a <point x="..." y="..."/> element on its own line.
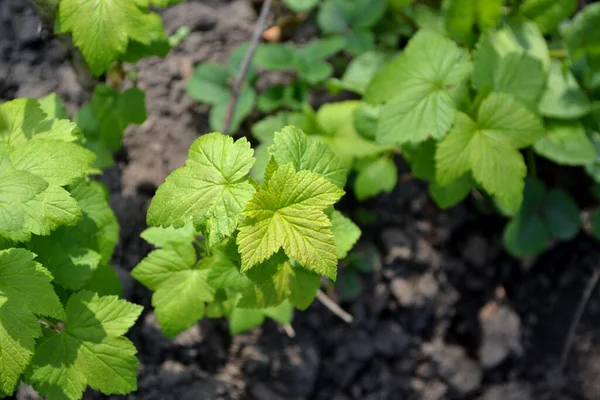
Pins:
<point x="403" y="290"/>
<point x="501" y="336"/>
<point x="459" y="371"/>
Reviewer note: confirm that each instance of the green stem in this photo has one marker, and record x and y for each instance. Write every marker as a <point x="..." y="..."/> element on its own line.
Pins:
<point x="531" y="162"/>
<point x="558" y="53"/>
<point x="51" y="324"/>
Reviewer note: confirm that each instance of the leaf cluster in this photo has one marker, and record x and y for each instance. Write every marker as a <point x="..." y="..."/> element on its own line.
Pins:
<point x="60" y="317"/>
<point x="230" y="247"/>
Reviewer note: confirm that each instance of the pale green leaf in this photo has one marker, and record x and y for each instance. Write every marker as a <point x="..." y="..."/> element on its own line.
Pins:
<point x="376" y="177"/>
<point x="210" y="190"/>
<point x="287" y="212"/>
<point x="169" y="237"/>
<point x="345" y="233"/>
<point x="563" y="98"/>
<point x="19" y="120"/>
<point x="53" y="106"/>
<point x="419" y="88"/>
<point x="209" y="83"/>
<point x="102" y="30"/>
<point x="582" y="35"/>
<point x="566" y="143"/>
<point x="291" y="145"/>
<point x="89" y="351"/>
<point x="460" y="18"/>
<point x="548" y="14"/>
<point x="446" y="196"/>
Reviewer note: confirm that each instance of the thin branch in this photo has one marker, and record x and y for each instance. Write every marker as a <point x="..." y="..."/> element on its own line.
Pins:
<point x="289" y="330"/>
<point x="589" y="289"/>
<point x="333" y="307"/>
<point x="256" y="35"/>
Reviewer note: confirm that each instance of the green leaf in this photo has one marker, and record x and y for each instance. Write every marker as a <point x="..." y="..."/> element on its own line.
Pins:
<point x="544" y="215"/>
<point x="210" y="190"/>
<point x="345" y="233"/>
<point x="58" y="163"/>
<point x="170" y="236"/>
<point x="25" y="291"/>
<point x="548" y="14"/>
<point x="521" y="37"/>
<point x="291" y="145"/>
<point x="180" y="286"/>
<point x="89" y="351"/>
<point x="582" y="35"/>
<point x="209" y="83"/>
<point x="376" y="177"/>
<point x="449" y="195"/>
<point x="275" y="56"/>
<point x="242" y="320"/>
<point x="114" y="21"/>
<point x="338" y="16"/>
<point x="303" y="287"/>
<point x="460" y="18"/>
<point x="105" y="282"/>
<point x="517" y="74"/>
<point x="566" y="143"/>
<point x="418" y="87"/>
<point x="19" y="121"/>
<point x="488" y="148"/>
<point x="359" y="73"/>
<point x="489" y="13"/>
<point x="300" y="5"/>
<point x="563" y="98"/>
<point x="287" y="212"/>
<point x="53" y="106"/>
<point x="71" y="265"/>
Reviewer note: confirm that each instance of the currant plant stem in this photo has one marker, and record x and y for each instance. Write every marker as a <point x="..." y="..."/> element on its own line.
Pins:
<point x="333" y="307"/>
<point x="235" y="94"/>
<point x="51" y="324"/>
<point x="589" y="289"/>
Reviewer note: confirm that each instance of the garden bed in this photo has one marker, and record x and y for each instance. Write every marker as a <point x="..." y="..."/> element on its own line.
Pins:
<point x="444" y="312"/>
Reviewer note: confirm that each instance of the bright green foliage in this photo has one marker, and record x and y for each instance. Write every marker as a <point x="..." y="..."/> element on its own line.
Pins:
<point x="563" y="98"/>
<point x="489" y="148"/>
<point x="462" y="15"/>
<point x="104" y="119"/>
<point x="359" y="73"/>
<point x="375" y="177"/>
<point x="210" y="190"/>
<point x="180" y="286"/>
<point x="517" y="74"/>
<point x="37" y="160"/>
<point x="547" y="14"/>
<point x="345" y="233"/>
<point x="287" y="212"/>
<point x="229" y="247"/>
<point x="566" y="143"/>
<point x="212" y="83"/>
<point x="583" y="37"/>
<point x="512" y="37"/>
<point x="301" y="5"/>
<point x="420" y="89"/>
<point x="243" y="319"/>
<point x="544" y="215"/>
<point x="352" y="19"/>
<point x="309" y="61"/>
<point x="103" y="29"/>
<point x="89" y="350"/>
<point x="53" y="106"/>
<point x="25" y="292"/>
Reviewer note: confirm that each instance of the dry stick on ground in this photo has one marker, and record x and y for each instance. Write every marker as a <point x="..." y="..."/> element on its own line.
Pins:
<point x="589" y="289"/>
<point x="333" y="307"/>
<point x="258" y="31"/>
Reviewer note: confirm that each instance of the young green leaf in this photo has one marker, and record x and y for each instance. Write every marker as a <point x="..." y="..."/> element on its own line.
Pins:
<point x="449" y="195"/>
<point x="548" y="14"/>
<point x="114" y="21"/>
<point x="170" y="236"/>
<point x="180" y="286"/>
<point x="345" y="233"/>
<point x="242" y="320"/>
<point x="359" y="73"/>
<point x="489" y="13"/>
<point x="489" y="148"/>
<point x="566" y="143"/>
<point x="53" y="106"/>
<point x="376" y="177"/>
<point x="301" y="5"/>
<point x="243" y="109"/>
<point x="209" y="83"/>
<point x="582" y="35"/>
<point x="460" y="18"/>
<point x="210" y="190"/>
<point x="25" y="291"/>
<point x="292" y="146"/>
<point x="418" y="89"/>
<point x="287" y="212"/>
<point x="89" y="351"/>
<point x="275" y="56"/>
<point x="563" y="98"/>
